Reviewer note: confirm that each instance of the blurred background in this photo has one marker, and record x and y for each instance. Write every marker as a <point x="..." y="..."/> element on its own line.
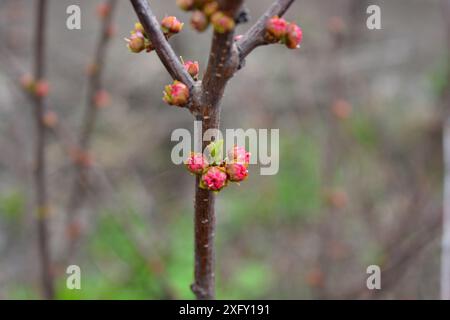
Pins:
<point x="360" y="118"/>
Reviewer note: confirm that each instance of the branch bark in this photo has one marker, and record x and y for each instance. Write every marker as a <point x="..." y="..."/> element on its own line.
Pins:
<point x="81" y="171"/>
<point x="40" y="170"/>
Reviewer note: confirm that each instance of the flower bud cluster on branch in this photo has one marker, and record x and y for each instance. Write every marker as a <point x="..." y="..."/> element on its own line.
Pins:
<point x="139" y="40"/>
<point x="281" y="31"/>
<point x="206" y="12"/>
<point x="39" y="88"/>
<point x="214" y="172"/>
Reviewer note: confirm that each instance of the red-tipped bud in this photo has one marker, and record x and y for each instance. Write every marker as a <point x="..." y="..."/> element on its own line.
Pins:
<point x="237" y="172"/>
<point x="239" y="155"/>
<point x="277" y="27"/>
<point x="214" y="179"/>
<point x="341" y="109"/>
<point x="238" y="37"/>
<point x="176" y="94"/>
<point x="42" y="88"/>
<point x="337" y="198"/>
<point x="50" y="119"/>
<point x="196" y="163"/>
<point x="210" y="8"/>
<point x="199" y="21"/>
<point x="137" y="42"/>
<point x="103" y="10"/>
<point x="27" y="82"/>
<point x="102" y="99"/>
<point x="222" y="23"/>
<point x="186" y="5"/>
<point x="294" y="36"/>
<point x="171" y="25"/>
<point x="192" y="68"/>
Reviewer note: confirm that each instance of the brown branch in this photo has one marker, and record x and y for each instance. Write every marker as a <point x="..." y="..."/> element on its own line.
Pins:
<point x="40" y="169"/>
<point x="226" y="56"/>
<point x="89" y="120"/>
<point x="165" y="52"/>
<point x="255" y="36"/>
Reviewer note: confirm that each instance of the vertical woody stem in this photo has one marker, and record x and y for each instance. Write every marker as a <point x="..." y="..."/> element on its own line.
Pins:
<point x="40" y="169"/>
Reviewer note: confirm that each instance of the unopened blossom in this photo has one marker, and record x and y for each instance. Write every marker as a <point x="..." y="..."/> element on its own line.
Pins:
<point x="186" y="4"/>
<point x="214" y="179"/>
<point x="42" y="88"/>
<point x="222" y="23"/>
<point x="199" y="21"/>
<point x="136" y="42"/>
<point x="103" y="10"/>
<point x="277" y="27"/>
<point x="176" y="94"/>
<point x="210" y="8"/>
<point x="237" y="172"/>
<point x="102" y="98"/>
<point x="193" y="68"/>
<point x="196" y="163"/>
<point x="50" y="119"/>
<point x="294" y="36"/>
<point x="239" y="155"/>
<point x="171" y="25"/>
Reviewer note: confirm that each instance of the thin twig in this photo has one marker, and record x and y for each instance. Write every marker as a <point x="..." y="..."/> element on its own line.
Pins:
<point x="255" y="36"/>
<point x="162" y="47"/>
<point x="40" y="169"/>
<point x="90" y="116"/>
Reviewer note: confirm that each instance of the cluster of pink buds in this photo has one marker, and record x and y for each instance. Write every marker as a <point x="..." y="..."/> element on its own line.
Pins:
<point x="216" y="173"/>
<point x="288" y="33"/>
<point x="39" y="88"/>
<point x="176" y="94"/>
<point x="139" y="40"/>
<point x="205" y="12"/>
<point x="192" y="67"/>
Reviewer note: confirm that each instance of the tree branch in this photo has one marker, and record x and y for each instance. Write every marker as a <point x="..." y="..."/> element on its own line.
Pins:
<point x="255" y="36"/>
<point x="40" y="170"/>
<point x="80" y="182"/>
<point x="165" y="52"/>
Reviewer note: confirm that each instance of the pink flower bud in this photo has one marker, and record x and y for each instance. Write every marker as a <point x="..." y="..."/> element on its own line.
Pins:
<point x="237" y="172"/>
<point x="176" y="94"/>
<point x="171" y="25"/>
<point x="222" y="23"/>
<point x="102" y="99"/>
<point x="196" y="163"/>
<point x="210" y="8"/>
<point x="28" y="83"/>
<point x="103" y="10"/>
<point x="185" y="5"/>
<point x="239" y="155"/>
<point x="136" y="43"/>
<point x="192" y="68"/>
<point x="50" y="119"/>
<point x="214" y="179"/>
<point x="199" y="21"/>
<point x="294" y="36"/>
<point x="277" y="27"/>
<point x="42" y="88"/>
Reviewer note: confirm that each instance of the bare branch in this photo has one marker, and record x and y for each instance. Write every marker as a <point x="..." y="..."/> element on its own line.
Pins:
<point x="77" y="194"/>
<point x="254" y="37"/>
<point x="40" y="170"/>
<point x="165" y="52"/>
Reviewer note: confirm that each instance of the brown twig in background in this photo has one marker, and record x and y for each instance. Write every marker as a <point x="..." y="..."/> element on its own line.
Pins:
<point x="40" y="169"/>
<point x="226" y="57"/>
<point x="81" y="168"/>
